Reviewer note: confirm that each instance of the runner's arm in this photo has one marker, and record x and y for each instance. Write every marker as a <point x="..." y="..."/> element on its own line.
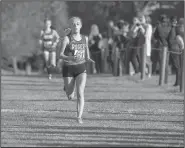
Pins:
<point x="41" y="35"/>
<point x="87" y="53"/>
<point x="65" y="42"/>
<point x="57" y="38"/>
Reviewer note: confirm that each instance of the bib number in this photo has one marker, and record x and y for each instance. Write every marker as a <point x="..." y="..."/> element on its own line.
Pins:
<point x="79" y="54"/>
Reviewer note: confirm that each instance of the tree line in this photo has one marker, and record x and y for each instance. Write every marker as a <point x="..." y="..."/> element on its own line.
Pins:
<point x="22" y="21"/>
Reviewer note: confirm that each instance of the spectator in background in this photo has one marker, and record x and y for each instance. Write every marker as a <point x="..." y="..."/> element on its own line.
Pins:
<point x="173" y="46"/>
<point x="126" y="29"/>
<point x="118" y="42"/>
<point x="125" y="34"/>
<point x="161" y="34"/>
<point x="121" y="40"/>
<point x="94" y="39"/>
<point x="49" y="39"/>
<point x="126" y="26"/>
<point x="137" y="36"/>
<point x="104" y="46"/>
<point x="111" y="35"/>
<point x="180" y="34"/>
<point x="110" y="29"/>
<point x="154" y="40"/>
<point x="146" y="21"/>
<point x="118" y="27"/>
<point x="155" y="26"/>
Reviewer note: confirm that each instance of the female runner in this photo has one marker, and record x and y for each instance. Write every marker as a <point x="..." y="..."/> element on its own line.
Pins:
<point x="75" y="53"/>
<point x="49" y="39"/>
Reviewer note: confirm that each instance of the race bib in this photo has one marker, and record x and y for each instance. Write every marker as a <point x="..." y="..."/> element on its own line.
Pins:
<point x="79" y="54"/>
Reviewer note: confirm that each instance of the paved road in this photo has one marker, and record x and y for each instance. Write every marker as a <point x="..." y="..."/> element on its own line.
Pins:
<point x="119" y="111"/>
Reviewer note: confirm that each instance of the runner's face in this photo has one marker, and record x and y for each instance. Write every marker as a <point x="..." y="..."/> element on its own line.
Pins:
<point x="76" y="25"/>
<point x="48" y="24"/>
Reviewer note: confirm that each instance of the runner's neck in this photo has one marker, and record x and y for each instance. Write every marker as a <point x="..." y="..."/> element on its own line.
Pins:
<point x="48" y="30"/>
<point x="77" y="37"/>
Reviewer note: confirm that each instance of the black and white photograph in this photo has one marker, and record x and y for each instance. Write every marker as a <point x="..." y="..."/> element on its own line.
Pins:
<point x="92" y="73"/>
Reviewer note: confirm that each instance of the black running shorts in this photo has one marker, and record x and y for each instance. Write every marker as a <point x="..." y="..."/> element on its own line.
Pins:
<point x="73" y="70"/>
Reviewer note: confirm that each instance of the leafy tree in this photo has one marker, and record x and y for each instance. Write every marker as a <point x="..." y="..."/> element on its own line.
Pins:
<point x="100" y="12"/>
<point x="148" y="7"/>
<point x="22" y="22"/>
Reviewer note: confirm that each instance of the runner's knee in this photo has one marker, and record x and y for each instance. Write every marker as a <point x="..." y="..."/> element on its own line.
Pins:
<point x="80" y="93"/>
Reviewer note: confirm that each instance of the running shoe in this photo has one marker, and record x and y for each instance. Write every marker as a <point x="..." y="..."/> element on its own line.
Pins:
<point x="70" y="97"/>
<point x="50" y="77"/>
<point x="80" y="120"/>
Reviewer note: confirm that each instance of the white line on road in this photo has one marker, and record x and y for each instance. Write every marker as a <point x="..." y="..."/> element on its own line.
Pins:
<point x="98" y="112"/>
<point x="26" y="111"/>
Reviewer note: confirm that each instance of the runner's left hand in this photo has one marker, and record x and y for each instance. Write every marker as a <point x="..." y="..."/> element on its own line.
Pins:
<point x="54" y="45"/>
<point x="90" y="60"/>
